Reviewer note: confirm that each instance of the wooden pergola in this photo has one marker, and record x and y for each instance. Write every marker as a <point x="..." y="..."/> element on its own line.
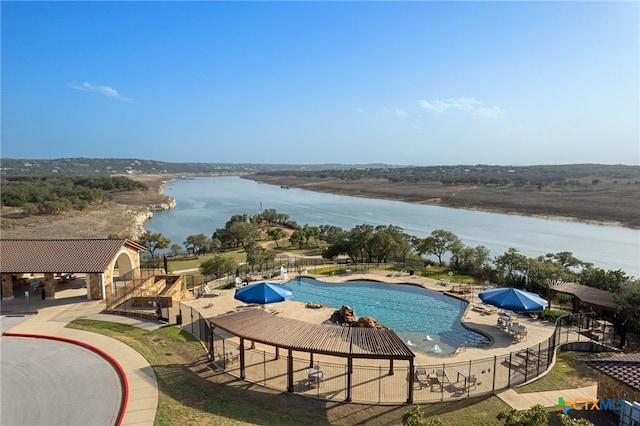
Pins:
<point x="352" y="343"/>
<point x="581" y="294"/>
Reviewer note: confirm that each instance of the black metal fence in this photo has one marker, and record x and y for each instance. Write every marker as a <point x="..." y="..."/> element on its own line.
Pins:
<point x="374" y="384"/>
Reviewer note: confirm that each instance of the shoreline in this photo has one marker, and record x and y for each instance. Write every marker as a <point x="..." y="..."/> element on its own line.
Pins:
<point x="156" y="183"/>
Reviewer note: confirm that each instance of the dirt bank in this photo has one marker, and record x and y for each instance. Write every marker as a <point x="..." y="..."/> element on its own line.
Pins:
<point x="615" y="205"/>
<point x="124" y="215"/>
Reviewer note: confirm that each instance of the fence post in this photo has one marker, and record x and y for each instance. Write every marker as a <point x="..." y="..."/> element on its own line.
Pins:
<point x="442" y="383"/>
<point x="469" y="380"/>
<point x="495" y="364"/>
<point x="264" y="368"/>
<point x="509" y="382"/>
<point x="379" y="383"/>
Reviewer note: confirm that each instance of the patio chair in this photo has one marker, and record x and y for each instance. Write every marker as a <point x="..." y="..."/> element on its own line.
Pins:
<point x="434" y="381"/>
<point x="315" y="377"/>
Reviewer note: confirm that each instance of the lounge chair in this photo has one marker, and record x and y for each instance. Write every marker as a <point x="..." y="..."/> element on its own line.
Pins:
<point x="472" y="381"/>
<point x="421" y="377"/>
<point x="483" y="309"/>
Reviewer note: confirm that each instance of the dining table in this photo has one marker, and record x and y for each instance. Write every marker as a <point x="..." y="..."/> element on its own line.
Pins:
<point x="466" y="374"/>
<point x="516" y="329"/>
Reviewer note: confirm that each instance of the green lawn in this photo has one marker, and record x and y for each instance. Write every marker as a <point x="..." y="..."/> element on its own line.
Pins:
<point x="570" y="371"/>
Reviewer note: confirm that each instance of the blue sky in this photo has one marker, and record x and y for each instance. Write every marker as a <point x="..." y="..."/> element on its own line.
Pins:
<point x="410" y="83"/>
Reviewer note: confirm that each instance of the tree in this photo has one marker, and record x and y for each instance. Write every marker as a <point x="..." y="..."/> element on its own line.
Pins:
<point x="331" y="234"/>
<point x="297" y="238"/>
<point x="604" y="280"/>
<point x="310" y="232"/>
<point x="224" y="236"/>
<point x="153" y="242"/>
<point x="175" y="249"/>
<point x="357" y="242"/>
<point x="628" y="300"/>
<point x="218" y="265"/>
<point x="276" y="234"/>
<point x="243" y="233"/>
<point x="258" y="256"/>
<point x="388" y="242"/>
<point x="196" y="243"/>
<point x="438" y="243"/>
<point x="511" y="267"/>
<point x="272" y="217"/>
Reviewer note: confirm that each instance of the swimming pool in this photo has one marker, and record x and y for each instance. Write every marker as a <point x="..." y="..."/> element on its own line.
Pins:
<point x="425" y="320"/>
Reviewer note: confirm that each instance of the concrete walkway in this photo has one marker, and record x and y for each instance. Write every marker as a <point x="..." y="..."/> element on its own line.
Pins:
<point x="524" y="401"/>
<point x="51" y="321"/>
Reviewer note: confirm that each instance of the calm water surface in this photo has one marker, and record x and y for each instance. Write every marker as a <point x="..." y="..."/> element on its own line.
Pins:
<point x="206" y="204"/>
<point x="425" y="320"/>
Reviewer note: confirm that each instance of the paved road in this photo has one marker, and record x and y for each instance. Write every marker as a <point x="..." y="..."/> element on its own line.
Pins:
<point x="56" y="383"/>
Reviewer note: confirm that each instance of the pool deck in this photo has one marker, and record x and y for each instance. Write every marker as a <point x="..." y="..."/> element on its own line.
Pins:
<point x="502" y="342"/>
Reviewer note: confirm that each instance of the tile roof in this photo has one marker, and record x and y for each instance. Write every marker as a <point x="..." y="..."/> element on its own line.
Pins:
<point x="358" y="342"/>
<point x="623" y="367"/>
<point x="58" y="256"/>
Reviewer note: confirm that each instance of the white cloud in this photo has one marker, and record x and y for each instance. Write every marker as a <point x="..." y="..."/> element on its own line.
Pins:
<point x="401" y="113"/>
<point x="492" y="113"/>
<point x="463" y="104"/>
<point x="358" y="110"/>
<point x="103" y="90"/>
<point x="437" y="106"/>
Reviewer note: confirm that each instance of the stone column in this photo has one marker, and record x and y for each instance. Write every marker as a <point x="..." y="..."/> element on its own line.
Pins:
<point x="95" y="283"/>
<point x="50" y="285"/>
<point x="7" y="287"/>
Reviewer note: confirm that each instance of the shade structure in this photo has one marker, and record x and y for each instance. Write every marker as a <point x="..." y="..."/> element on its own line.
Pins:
<point x="513" y="299"/>
<point x="263" y="293"/>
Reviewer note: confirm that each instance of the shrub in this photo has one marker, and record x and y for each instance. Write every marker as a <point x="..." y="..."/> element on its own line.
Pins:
<point x="414" y="417"/>
<point x="535" y="416"/>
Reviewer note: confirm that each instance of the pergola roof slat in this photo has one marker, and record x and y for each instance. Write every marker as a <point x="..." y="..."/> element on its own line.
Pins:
<point x="263" y="327"/>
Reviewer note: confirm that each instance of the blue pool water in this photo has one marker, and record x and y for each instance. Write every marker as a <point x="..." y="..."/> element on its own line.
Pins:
<point x="425" y="320"/>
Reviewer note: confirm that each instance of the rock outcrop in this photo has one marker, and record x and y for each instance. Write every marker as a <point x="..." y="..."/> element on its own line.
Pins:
<point x="349" y="317"/>
<point x="367" y="322"/>
<point x="347" y="314"/>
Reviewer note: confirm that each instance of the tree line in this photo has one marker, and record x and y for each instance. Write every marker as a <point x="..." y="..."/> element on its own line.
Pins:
<point x="56" y="194"/>
<point x="573" y="175"/>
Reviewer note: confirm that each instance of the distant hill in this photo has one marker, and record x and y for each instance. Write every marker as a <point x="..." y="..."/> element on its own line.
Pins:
<point x="117" y="166"/>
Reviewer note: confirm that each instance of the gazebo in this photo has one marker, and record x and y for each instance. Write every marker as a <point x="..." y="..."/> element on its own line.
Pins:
<point x="98" y="258"/>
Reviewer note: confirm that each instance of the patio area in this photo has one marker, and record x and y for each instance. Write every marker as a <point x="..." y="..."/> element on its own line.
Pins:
<point x="510" y="359"/>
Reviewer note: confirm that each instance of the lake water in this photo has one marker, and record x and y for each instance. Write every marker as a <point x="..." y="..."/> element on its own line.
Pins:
<point x="206" y="204"/>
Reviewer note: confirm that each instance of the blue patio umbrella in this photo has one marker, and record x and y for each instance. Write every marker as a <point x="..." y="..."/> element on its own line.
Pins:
<point x="263" y="293"/>
<point x="513" y="299"/>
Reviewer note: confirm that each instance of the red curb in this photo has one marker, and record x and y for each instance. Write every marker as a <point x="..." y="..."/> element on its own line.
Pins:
<point x="103" y="354"/>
